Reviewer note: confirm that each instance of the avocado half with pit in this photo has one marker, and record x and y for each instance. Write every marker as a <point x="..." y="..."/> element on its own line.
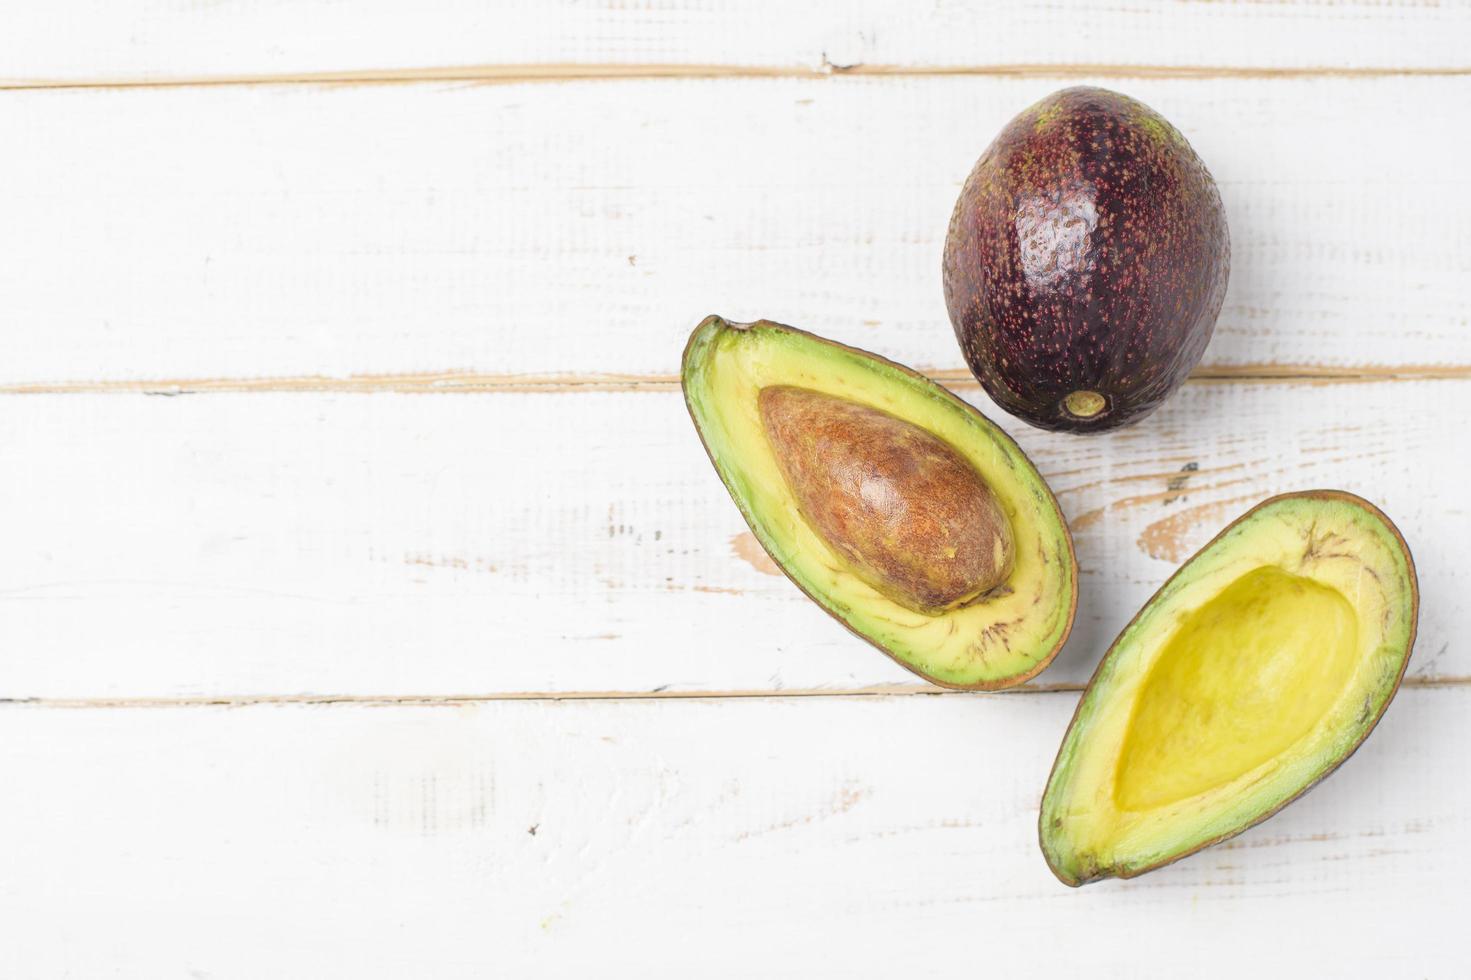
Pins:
<point x="897" y="507"/>
<point x="1257" y="669"/>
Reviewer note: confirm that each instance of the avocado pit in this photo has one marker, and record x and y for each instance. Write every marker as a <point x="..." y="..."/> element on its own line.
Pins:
<point x="835" y="433"/>
<point x="909" y="514"/>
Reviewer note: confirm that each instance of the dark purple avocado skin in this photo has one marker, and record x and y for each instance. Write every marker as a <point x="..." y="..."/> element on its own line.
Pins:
<point x="1088" y="252"/>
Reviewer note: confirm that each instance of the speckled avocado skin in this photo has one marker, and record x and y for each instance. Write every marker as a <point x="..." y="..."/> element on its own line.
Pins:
<point x="1088" y="252"/>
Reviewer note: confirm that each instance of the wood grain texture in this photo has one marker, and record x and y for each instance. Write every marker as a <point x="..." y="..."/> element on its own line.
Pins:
<point x="400" y="545"/>
<point x="870" y="837"/>
<point x="313" y="234"/>
<point x="308" y="619"/>
<point x="154" y="40"/>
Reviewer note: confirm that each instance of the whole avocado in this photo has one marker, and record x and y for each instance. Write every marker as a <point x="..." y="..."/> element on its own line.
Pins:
<point x="1086" y="262"/>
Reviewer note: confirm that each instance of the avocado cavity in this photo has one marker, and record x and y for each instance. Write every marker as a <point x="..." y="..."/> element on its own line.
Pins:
<point x="1246" y="677"/>
<point x="1255" y="670"/>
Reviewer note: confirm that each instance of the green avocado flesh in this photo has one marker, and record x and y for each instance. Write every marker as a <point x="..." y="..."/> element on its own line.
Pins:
<point x="931" y="625"/>
<point x="1254" y="672"/>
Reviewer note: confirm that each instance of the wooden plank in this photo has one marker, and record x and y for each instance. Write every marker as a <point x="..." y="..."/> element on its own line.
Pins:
<point x="328" y="544"/>
<point x="808" y="837"/>
<point x="328" y="232"/>
<point x="152" y="40"/>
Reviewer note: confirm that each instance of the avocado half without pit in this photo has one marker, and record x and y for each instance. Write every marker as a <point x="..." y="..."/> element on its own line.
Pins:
<point x="897" y="507"/>
<point x="1252" y="674"/>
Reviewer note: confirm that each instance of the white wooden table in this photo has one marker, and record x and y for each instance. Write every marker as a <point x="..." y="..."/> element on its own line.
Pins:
<point x="367" y="607"/>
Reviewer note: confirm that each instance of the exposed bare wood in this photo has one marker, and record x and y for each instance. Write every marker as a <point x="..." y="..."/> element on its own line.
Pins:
<point x="436" y="382"/>
<point x="1168" y="538"/>
<point x="461" y="700"/>
<point x="613" y="71"/>
<point x="471" y="382"/>
<point x="162" y="41"/>
<point x="745" y="546"/>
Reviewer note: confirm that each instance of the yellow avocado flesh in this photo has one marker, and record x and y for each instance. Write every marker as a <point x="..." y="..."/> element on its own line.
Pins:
<point x="1245" y="677"/>
<point x="1000" y="639"/>
<point x="1253" y="673"/>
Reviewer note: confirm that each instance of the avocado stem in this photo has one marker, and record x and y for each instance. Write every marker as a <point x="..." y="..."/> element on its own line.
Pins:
<point x="1084" y="404"/>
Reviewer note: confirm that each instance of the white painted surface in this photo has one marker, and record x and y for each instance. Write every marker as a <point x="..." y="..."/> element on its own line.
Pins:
<point x="248" y="544"/>
<point x="163" y="39"/>
<point x="584" y="228"/>
<point x="318" y="534"/>
<point x="874" y="837"/>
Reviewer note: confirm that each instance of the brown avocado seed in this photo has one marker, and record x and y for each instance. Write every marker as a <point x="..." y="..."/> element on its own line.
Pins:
<point x="908" y="513"/>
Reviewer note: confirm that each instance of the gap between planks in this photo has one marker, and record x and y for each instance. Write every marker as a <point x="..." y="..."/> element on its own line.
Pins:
<point x="439" y="382"/>
<point x="470" y="700"/>
<point x="530" y="73"/>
